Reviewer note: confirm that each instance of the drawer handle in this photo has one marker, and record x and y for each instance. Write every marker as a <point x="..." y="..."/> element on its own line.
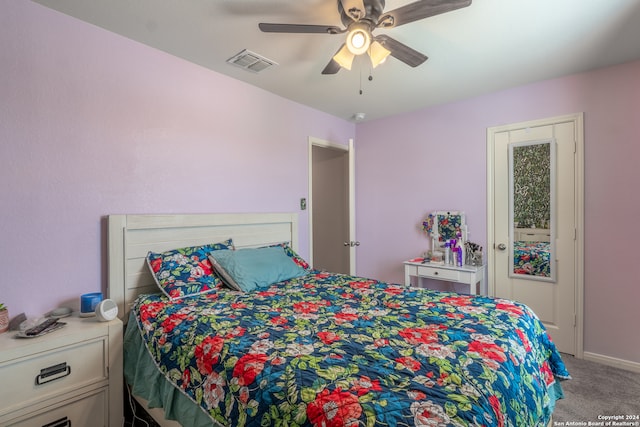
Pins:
<point x="62" y="422"/>
<point x="52" y="373"/>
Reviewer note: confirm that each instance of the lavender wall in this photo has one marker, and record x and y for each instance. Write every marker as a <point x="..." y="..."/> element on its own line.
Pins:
<point x="93" y="124"/>
<point x="436" y="159"/>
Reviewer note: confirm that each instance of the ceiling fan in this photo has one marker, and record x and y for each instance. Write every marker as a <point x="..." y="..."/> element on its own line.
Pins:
<point x="361" y="18"/>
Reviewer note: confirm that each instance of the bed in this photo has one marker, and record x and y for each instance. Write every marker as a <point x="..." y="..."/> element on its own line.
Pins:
<point x="532" y="258"/>
<point x="319" y="349"/>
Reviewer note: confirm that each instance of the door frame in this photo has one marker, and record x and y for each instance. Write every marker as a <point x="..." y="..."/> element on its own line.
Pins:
<point x="349" y="149"/>
<point x="578" y="120"/>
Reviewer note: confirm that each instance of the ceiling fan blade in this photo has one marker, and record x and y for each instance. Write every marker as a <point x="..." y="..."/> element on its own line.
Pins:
<point x="300" y="28"/>
<point x="401" y="51"/>
<point x="355" y="9"/>
<point x="419" y="10"/>
<point x="332" y="67"/>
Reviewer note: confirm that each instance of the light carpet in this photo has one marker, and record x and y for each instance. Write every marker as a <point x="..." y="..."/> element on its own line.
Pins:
<point x="595" y="392"/>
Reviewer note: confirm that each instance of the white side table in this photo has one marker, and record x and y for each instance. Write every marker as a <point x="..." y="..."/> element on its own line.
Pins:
<point x="72" y="376"/>
<point x="467" y="274"/>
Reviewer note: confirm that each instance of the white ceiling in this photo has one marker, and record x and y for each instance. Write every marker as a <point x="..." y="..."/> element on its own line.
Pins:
<point x="488" y="46"/>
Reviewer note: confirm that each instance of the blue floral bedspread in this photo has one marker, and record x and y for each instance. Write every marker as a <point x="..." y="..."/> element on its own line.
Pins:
<point x="532" y="258"/>
<point x="335" y="350"/>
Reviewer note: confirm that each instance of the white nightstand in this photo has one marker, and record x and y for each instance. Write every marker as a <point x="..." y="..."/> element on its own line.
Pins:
<point x="69" y="377"/>
<point x="467" y="274"/>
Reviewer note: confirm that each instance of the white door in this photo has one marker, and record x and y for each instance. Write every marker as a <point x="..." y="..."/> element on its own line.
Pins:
<point x="556" y="300"/>
<point x="331" y="207"/>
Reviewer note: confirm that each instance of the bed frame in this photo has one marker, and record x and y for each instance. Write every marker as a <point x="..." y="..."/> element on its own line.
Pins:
<point x="131" y="237"/>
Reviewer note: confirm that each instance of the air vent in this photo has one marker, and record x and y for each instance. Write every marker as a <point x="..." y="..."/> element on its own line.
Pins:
<point x="251" y="61"/>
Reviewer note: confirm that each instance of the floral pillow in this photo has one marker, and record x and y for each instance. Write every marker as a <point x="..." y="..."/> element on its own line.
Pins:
<point x="186" y="272"/>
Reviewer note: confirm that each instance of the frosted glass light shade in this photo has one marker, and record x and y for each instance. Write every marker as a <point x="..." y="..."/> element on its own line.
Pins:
<point x="344" y="57"/>
<point x="378" y="54"/>
<point x="358" y="39"/>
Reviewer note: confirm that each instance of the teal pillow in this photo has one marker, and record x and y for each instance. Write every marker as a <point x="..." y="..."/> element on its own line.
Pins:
<point x="293" y="255"/>
<point x="250" y="268"/>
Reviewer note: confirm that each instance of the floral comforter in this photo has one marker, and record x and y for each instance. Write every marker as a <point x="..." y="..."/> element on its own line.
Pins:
<point x="335" y="350"/>
<point x="532" y="258"/>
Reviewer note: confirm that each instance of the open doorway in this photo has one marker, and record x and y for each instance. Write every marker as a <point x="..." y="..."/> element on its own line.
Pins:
<point x="331" y="219"/>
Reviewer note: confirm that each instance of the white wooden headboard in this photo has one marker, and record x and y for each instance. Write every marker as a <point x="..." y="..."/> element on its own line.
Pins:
<point x="131" y="237"/>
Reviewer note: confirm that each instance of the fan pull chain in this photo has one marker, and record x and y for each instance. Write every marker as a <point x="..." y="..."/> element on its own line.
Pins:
<point x="370" y="79"/>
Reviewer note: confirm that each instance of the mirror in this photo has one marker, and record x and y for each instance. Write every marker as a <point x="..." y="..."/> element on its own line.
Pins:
<point x="447" y="225"/>
<point x="532" y="210"/>
<point x="448" y="230"/>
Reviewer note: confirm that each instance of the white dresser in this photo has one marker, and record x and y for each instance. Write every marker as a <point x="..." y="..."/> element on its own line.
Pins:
<point x="69" y="377"/>
<point x="467" y="274"/>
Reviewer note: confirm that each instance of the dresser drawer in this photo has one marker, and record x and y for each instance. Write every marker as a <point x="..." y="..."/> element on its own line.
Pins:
<point x="52" y="373"/>
<point x="439" y="273"/>
<point x="84" y="411"/>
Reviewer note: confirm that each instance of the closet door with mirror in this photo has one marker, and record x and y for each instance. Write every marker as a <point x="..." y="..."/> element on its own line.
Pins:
<point x="535" y="221"/>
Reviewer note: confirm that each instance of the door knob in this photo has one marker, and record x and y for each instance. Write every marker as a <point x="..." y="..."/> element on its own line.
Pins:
<point x="352" y="243"/>
<point x="502" y="246"/>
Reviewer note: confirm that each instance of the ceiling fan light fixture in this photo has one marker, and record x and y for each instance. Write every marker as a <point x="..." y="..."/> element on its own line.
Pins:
<point x="378" y="53"/>
<point x="344" y="57"/>
<point x="359" y="38"/>
<point x="360" y="18"/>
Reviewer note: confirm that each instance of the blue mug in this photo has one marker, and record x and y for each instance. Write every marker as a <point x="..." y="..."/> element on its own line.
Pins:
<point x="88" y="303"/>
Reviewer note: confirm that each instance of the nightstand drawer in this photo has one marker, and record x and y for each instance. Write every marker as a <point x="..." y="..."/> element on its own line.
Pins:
<point x="439" y="273"/>
<point x="88" y="410"/>
<point x="52" y="373"/>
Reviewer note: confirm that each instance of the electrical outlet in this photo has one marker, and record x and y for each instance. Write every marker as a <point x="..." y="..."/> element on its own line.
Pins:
<point x="303" y="204"/>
